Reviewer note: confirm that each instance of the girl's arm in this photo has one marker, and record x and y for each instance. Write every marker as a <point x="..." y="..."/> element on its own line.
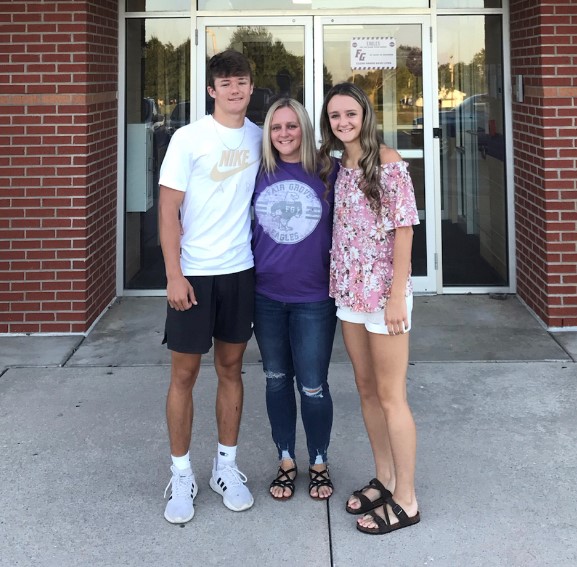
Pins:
<point x="396" y="317"/>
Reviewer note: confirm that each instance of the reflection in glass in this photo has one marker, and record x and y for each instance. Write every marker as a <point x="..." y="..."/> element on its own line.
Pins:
<point x="277" y="57"/>
<point x="397" y="96"/>
<point x="469" y="3"/>
<point x="157" y="87"/>
<point x="225" y="5"/>
<point x="473" y="169"/>
<point x="158" y="5"/>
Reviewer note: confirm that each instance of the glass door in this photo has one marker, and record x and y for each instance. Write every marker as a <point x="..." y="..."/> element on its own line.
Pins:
<point x="473" y="165"/>
<point x="390" y="59"/>
<point x="281" y="52"/>
<point x="396" y="76"/>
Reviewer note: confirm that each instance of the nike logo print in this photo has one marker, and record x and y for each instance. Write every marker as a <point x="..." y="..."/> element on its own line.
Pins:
<point x="217" y="175"/>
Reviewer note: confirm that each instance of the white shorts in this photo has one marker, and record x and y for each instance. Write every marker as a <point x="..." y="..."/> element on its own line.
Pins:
<point x="373" y="322"/>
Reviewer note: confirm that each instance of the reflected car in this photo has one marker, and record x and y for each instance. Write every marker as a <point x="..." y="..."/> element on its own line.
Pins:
<point x="156" y="121"/>
<point x="469" y="116"/>
<point x="179" y="117"/>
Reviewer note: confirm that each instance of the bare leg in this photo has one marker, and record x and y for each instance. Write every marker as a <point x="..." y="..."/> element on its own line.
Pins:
<point x="179" y="403"/>
<point x="389" y="357"/>
<point x="229" y="395"/>
<point x="357" y="342"/>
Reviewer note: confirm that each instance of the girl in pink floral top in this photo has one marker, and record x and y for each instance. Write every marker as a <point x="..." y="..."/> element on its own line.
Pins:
<point x="375" y="211"/>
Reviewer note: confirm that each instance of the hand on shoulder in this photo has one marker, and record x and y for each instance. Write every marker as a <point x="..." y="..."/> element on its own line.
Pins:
<point x="389" y="155"/>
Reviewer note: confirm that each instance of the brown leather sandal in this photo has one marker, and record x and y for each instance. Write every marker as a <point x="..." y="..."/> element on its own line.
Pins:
<point x="384" y="525"/>
<point x="366" y="503"/>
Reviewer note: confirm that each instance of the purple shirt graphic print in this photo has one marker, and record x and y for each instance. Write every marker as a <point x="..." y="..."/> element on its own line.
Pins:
<point x="288" y="211"/>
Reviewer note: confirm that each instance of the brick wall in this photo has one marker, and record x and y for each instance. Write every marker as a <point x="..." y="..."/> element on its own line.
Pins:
<point x="544" y="51"/>
<point x="58" y="126"/>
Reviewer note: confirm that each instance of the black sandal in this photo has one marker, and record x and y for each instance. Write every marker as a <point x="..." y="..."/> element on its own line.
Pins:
<point x="283" y="480"/>
<point x="366" y="503"/>
<point x="384" y="524"/>
<point x="318" y="479"/>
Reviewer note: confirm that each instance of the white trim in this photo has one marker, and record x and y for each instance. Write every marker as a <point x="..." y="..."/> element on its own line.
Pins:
<point x="120" y="159"/>
<point x="2" y="335"/>
<point x="436" y="164"/>
<point x="509" y="151"/>
<point x="561" y="329"/>
<point x="145" y="292"/>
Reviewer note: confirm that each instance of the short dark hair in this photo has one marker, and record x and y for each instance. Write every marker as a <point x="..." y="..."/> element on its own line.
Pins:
<point x="228" y="63"/>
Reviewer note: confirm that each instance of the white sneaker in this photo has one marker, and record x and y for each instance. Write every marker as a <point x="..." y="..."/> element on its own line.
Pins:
<point x="180" y="506"/>
<point x="229" y="482"/>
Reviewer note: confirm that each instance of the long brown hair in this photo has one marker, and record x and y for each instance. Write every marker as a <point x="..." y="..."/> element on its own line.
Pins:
<point x="370" y="141"/>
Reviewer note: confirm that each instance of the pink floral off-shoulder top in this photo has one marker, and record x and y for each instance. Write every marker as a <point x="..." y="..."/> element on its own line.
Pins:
<point x="361" y="272"/>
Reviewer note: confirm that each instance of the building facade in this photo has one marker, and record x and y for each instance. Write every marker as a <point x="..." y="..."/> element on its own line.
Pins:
<point x="478" y="96"/>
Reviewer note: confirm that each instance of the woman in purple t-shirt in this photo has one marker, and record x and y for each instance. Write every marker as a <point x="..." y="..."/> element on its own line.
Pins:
<point x="294" y="316"/>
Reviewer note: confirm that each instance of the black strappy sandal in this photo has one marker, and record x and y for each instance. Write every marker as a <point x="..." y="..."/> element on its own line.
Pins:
<point x="384" y="524"/>
<point x="366" y="503"/>
<point x="283" y="480"/>
<point x="318" y="479"/>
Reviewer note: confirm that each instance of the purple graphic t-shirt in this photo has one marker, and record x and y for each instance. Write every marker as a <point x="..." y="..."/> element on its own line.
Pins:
<point x="292" y="235"/>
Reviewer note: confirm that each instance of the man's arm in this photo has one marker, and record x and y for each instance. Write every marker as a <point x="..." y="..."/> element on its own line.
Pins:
<point x="179" y="292"/>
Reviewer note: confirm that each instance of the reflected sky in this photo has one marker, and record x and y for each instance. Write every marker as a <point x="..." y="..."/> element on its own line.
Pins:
<point x="459" y="37"/>
<point x="171" y="30"/>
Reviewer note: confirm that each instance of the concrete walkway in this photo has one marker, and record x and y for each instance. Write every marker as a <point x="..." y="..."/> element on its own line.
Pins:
<point x="84" y="456"/>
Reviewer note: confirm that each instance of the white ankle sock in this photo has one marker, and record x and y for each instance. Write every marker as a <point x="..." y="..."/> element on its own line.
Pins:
<point x="182" y="463"/>
<point x="226" y="455"/>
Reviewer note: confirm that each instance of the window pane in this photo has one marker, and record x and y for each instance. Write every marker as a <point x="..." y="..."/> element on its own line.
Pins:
<point x="277" y="55"/>
<point x="397" y="96"/>
<point x="306" y="4"/>
<point x="397" y="93"/>
<point x="473" y="169"/>
<point x="157" y="91"/>
<point x="158" y="5"/>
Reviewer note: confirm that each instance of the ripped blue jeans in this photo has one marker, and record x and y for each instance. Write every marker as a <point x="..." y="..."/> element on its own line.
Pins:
<point x="296" y="341"/>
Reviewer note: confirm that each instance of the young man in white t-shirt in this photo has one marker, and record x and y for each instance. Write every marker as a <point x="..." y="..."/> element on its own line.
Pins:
<point x="206" y="185"/>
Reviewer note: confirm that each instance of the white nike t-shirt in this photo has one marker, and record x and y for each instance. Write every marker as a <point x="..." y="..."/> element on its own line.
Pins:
<point x="216" y="168"/>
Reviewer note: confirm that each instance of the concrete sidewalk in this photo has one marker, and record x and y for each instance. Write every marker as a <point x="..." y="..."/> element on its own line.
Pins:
<point x="84" y="455"/>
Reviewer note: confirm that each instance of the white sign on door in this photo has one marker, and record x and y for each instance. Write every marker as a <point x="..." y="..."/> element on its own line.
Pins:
<point x="373" y="53"/>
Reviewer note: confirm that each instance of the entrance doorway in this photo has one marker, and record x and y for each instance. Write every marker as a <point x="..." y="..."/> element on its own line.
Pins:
<point x="435" y="80"/>
<point x="389" y="58"/>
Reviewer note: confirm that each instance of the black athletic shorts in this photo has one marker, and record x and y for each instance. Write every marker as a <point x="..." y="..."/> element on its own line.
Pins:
<point x="225" y="311"/>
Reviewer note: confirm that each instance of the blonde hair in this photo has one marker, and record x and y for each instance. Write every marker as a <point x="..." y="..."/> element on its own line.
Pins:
<point x="370" y="141"/>
<point x="308" y="152"/>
